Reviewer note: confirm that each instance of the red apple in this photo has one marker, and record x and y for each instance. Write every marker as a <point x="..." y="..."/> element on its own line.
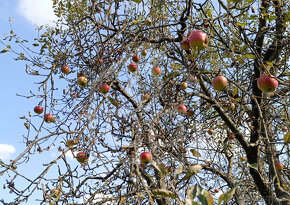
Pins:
<point x="284" y="129"/>
<point x="210" y="132"/>
<point x="65" y="69"/>
<point x="100" y="61"/>
<point x="183" y="85"/>
<point x="189" y="113"/>
<point x="198" y="40"/>
<point x="104" y="88"/>
<point x="148" y="22"/>
<point x="219" y="83"/>
<point x="82" y="80"/>
<point x="38" y="109"/>
<point x="279" y="166"/>
<point x="146" y="157"/>
<point x="82" y="157"/>
<point x="132" y="67"/>
<point x="267" y="84"/>
<point x="136" y="58"/>
<point x="231" y="137"/>
<point x="184" y="44"/>
<point x="216" y="190"/>
<point x="144" y="53"/>
<point x="156" y="71"/>
<point x="49" y="118"/>
<point x="181" y="109"/>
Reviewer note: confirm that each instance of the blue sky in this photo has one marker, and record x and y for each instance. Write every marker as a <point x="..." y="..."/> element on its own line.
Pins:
<point x="26" y="14"/>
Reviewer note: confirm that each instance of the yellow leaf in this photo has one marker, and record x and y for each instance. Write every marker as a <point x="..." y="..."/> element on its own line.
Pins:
<point x="287" y="138"/>
<point x="195" y="153"/>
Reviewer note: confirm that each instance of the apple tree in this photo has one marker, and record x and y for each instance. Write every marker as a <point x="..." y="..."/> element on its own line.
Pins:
<point x="200" y="88"/>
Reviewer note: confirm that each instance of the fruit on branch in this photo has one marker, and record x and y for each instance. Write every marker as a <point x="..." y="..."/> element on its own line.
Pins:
<point x="38" y="109"/>
<point x="216" y="190"/>
<point x="145" y="158"/>
<point x="65" y="69"/>
<point x="231" y="137"/>
<point x="219" y="83"/>
<point x="184" y="44"/>
<point x="100" y="61"/>
<point x="183" y="85"/>
<point x="82" y="80"/>
<point x="82" y="157"/>
<point x="267" y="84"/>
<point x="148" y="22"/>
<point x="104" y="88"/>
<point x="49" y="118"/>
<point x="189" y="113"/>
<point x="210" y="132"/>
<point x="279" y="166"/>
<point x="136" y="58"/>
<point x="181" y="109"/>
<point x="284" y="129"/>
<point x="132" y="67"/>
<point x="156" y="71"/>
<point x="145" y="98"/>
<point x="144" y="53"/>
<point x="198" y="40"/>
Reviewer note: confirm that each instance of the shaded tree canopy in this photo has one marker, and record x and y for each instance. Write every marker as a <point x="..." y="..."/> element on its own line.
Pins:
<point x="228" y="140"/>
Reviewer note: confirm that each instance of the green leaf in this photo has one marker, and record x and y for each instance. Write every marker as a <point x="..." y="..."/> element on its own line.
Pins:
<point x="271" y="64"/>
<point x="225" y="197"/>
<point x="286" y="138"/>
<point x="235" y="91"/>
<point x="195" y="153"/>
<point x="164" y="193"/>
<point x="254" y="166"/>
<point x="175" y="66"/>
<point x="250" y="56"/>
<point x="202" y="199"/>
<point x="194" y="169"/>
<point x="208" y="196"/>
<point x="137" y="1"/>
<point x="196" y="191"/>
<point x="241" y="24"/>
<point x="112" y="101"/>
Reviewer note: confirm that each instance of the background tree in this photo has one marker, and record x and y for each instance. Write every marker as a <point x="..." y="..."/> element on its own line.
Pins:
<point x="228" y="140"/>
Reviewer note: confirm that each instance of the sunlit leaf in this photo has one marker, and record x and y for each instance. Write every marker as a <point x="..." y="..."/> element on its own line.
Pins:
<point x="225" y="197"/>
<point x="250" y="56"/>
<point x="286" y="138"/>
<point x="113" y="101"/>
<point x="254" y="166"/>
<point x="195" y="153"/>
<point x="4" y="50"/>
<point x="163" y="192"/>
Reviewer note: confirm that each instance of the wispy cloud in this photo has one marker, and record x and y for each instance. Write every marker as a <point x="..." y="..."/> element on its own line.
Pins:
<point x="39" y="12"/>
<point x="6" y="151"/>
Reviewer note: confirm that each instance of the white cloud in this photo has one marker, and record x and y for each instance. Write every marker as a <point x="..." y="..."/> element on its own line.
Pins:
<point x="6" y="151"/>
<point x="38" y="12"/>
<point x="68" y="155"/>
